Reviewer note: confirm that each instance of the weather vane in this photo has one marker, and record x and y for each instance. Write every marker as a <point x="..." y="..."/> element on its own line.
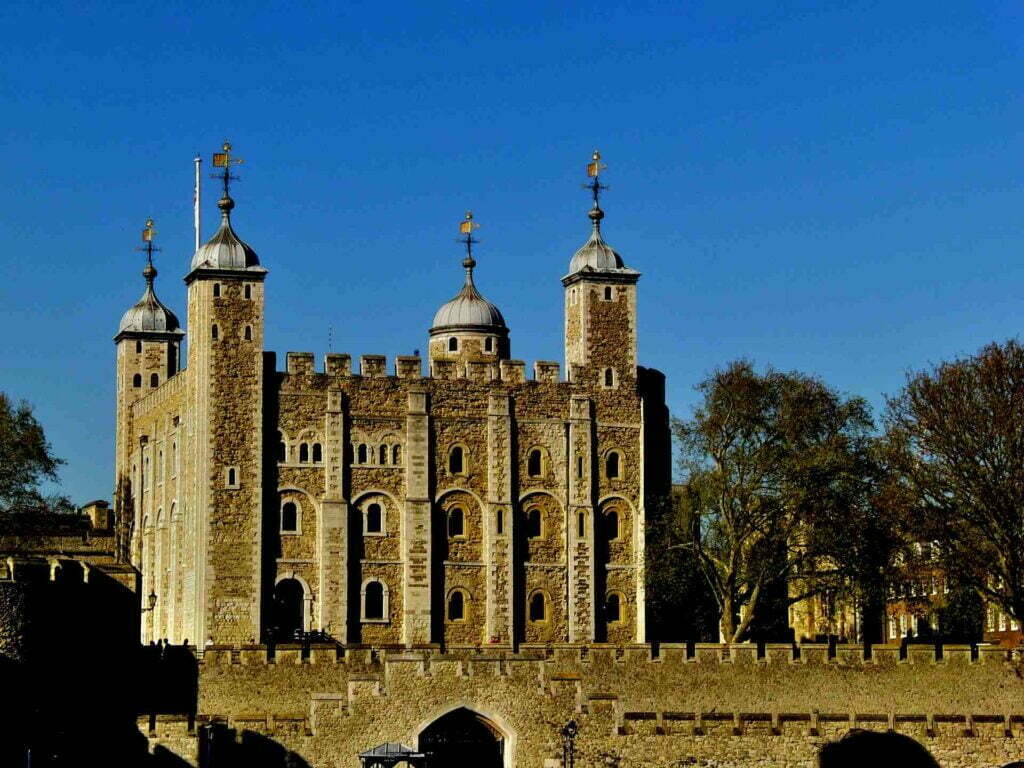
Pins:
<point x="466" y="227"/>
<point x="147" y="237"/>
<point x="594" y="168"/>
<point x="223" y="159"/>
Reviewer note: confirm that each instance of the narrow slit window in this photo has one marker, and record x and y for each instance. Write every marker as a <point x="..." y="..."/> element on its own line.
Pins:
<point x="318" y="453"/>
<point x="214" y="332"/>
<point x="361" y="453"/>
<point x="396" y="454"/>
<point x="289" y="518"/>
<point x="383" y="454"/>
<point x="138" y="347"/>
<point x="216" y="290"/>
<point x="489" y="344"/>
<point x="499" y="521"/>
<point x="248" y="333"/>
<point x="456" y="522"/>
<point x="282" y="451"/>
<point x="456" y="461"/>
<point x="579" y="466"/>
<point x="232" y="477"/>
<point x="609" y="377"/>
<point x="581" y="525"/>
<point x="248" y="291"/>
<point x="607" y="293"/>
<point x="374" y="519"/>
<point x="456" y="606"/>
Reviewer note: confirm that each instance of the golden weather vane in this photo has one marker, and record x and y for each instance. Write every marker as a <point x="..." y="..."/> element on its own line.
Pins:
<point x="223" y="159"/>
<point x="148" y="233"/>
<point x="594" y="168"/>
<point x="466" y="228"/>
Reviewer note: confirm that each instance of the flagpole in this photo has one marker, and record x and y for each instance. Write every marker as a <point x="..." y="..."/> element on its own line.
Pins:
<point x="195" y="200"/>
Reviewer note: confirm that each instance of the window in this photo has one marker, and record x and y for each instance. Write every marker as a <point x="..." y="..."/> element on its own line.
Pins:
<point x="216" y="290"/>
<point x="304" y="453"/>
<point x="538" y="609"/>
<point x="612" y="465"/>
<point x="579" y="466"/>
<point x="489" y="344"/>
<point x="248" y="291"/>
<point x="289" y="518"/>
<point x="282" y="449"/>
<point x="533" y="524"/>
<point x="534" y="463"/>
<point x="609" y="377"/>
<point x="607" y="293"/>
<point x="361" y="453"/>
<point x="396" y="454"/>
<point x="373" y="601"/>
<point x="499" y="521"/>
<point x="453" y="344"/>
<point x="318" y="453"/>
<point x="456" y="463"/>
<point x="231" y="477"/>
<point x="383" y="453"/>
<point x="611" y="525"/>
<point x="214" y="333"/>
<point x="137" y="380"/>
<point x="138" y="347"/>
<point x="456" y="606"/>
<point x="581" y="524"/>
<point x="613" y="608"/>
<point x="154" y="380"/>
<point x="374" y="519"/>
<point x="248" y="333"/>
<point x="456" y="522"/>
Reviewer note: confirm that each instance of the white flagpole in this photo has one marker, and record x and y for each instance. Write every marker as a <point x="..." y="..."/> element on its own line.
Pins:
<point x="195" y="201"/>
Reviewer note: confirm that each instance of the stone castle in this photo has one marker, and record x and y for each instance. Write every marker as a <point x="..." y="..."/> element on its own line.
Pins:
<point x="392" y="563"/>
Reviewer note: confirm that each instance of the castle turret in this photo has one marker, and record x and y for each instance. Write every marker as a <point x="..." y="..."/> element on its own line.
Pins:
<point x="600" y="305"/>
<point x="225" y="321"/>
<point x="468" y="328"/>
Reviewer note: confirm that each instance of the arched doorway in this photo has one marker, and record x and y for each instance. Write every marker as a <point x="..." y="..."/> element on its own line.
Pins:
<point x="462" y="738"/>
<point x="289" y="610"/>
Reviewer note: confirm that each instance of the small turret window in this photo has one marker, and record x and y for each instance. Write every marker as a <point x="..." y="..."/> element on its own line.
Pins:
<point x="453" y="344"/>
<point x="581" y="525"/>
<point x="499" y="521"/>
<point x="248" y="333"/>
<point x="489" y="344"/>
<point x="607" y="293"/>
<point x="248" y="291"/>
<point x="231" y="478"/>
<point x="216" y="290"/>
<point x="154" y="380"/>
<point x="609" y="377"/>
<point x="138" y="347"/>
<point x="214" y="332"/>
<point x="137" y="380"/>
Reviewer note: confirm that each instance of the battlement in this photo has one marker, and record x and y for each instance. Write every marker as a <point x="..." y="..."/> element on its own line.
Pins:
<point x="411" y="367"/>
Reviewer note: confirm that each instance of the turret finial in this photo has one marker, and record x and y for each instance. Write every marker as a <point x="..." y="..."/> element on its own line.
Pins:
<point x="466" y="227"/>
<point x="148" y="233"/>
<point x="594" y="168"/>
<point x="223" y="159"/>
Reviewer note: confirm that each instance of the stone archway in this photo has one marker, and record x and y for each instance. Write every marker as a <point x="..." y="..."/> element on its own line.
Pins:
<point x="288" y="609"/>
<point x="463" y="737"/>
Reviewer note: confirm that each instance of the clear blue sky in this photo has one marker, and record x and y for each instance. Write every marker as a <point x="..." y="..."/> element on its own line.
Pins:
<point x="831" y="187"/>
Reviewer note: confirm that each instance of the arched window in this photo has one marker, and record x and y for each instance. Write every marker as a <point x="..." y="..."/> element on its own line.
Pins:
<point x="611" y="525"/>
<point x="373" y="601"/>
<point x="154" y="380"/>
<point x="248" y="333"/>
<point x="456" y="522"/>
<point x="396" y="454"/>
<point x="538" y="607"/>
<point x="456" y="606"/>
<point x="581" y="524"/>
<point x="303" y="453"/>
<point x="216" y="290"/>
<point x="382" y="452"/>
<point x="534" y="525"/>
<point x="607" y="293"/>
<point x="453" y="344"/>
<point x="282" y="448"/>
<point x="612" y="464"/>
<point x="361" y="453"/>
<point x="489" y="344"/>
<point x="289" y="518"/>
<point x="288" y="609"/>
<point x="248" y="291"/>
<point x="232" y="477"/>
<point x="318" y="453"/>
<point x="535" y="463"/>
<point x="456" y="461"/>
<point x="613" y="608"/>
<point x="374" y="521"/>
<point x="137" y="380"/>
<point x="609" y="377"/>
<point x="214" y="333"/>
<point x="138" y="346"/>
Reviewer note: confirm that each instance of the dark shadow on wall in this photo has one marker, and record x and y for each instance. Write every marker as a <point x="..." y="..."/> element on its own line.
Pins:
<point x="223" y="747"/>
<point x="859" y="748"/>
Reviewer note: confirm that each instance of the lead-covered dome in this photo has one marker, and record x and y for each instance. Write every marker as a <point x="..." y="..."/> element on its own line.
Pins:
<point x="469" y="309"/>
<point x="596" y="254"/>
<point x="226" y="250"/>
<point x="148" y="314"/>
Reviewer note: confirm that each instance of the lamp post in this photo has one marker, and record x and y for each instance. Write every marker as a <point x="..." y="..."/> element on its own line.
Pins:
<point x="152" y="602"/>
<point x="569" y="732"/>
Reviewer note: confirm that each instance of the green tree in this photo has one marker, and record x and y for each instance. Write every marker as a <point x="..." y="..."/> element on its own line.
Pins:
<point x="777" y="457"/>
<point x="26" y="459"/>
<point x="955" y="435"/>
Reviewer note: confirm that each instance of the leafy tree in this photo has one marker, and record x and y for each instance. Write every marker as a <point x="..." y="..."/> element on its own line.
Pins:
<point x="956" y="436"/>
<point x="775" y="459"/>
<point x="25" y="460"/>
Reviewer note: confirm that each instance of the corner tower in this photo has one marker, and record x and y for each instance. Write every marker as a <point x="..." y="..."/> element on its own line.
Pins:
<point x="468" y="328"/>
<point x="225" y="356"/>
<point x="148" y="345"/>
<point x="600" y="305"/>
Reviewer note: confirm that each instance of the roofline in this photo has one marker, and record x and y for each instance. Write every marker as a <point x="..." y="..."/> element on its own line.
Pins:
<point x="253" y="273"/>
<point x="624" y="276"/>
<point x="439" y="330"/>
<point x="174" y="335"/>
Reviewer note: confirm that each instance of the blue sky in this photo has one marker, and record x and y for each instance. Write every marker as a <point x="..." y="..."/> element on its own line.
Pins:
<point x="836" y="188"/>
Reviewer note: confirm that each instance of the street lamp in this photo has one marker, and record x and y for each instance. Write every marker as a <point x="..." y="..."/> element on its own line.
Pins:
<point x="569" y="732"/>
<point x="152" y="602"/>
